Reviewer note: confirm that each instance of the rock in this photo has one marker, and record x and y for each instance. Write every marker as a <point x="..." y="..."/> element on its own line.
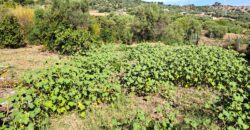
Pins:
<point x="5" y="93"/>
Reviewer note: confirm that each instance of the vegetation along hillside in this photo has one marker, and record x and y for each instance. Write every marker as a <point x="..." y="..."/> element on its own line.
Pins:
<point x="123" y="65"/>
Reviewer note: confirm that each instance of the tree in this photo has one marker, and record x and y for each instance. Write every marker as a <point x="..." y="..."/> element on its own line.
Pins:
<point x="216" y="4"/>
<point x="123" y="27"/>
<point x="11" y="35"/>
<point x="74" y="11"/>
<point x="63" y="14"/>
<point x="151" y="22"/>
<point x="174" y="35"/>
<point x="185" y="29"/>
<point x="108" y="32"/>
<point x="217" y="31"/>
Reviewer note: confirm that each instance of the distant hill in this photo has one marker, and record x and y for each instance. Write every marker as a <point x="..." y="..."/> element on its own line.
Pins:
<point x="229" y="8"/>
<point x="109" y="5"/>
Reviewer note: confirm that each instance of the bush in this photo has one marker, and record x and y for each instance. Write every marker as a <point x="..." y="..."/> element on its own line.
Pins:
<point x="103" y="10"/>
<point x="38" y="28"/>
<point x="184" y="29"/>
<point x="45" y="27"/>
<point x="246" y="32"/>
<point x="231" y="26"/>
<point x="25" y="17"/>
<point x="107" y="33"/>
<point x="151" y="21"/>
<point x="95" y="27"/>
<point x="235" y="29"/>
<point x="217" y="31"/>
<point x="60" y="16"/>
<point x="11" y="35"/>
<point x="207" y="24"/>
<point x="123" y="27"/>
<point x="71" y="41"/>
<point x="174" y="35"/>
<point x="58" y="30"/>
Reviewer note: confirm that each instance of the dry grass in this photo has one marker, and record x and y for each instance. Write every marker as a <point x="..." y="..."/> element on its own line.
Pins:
<point x="224" y="42"/>
<point x="24" y="59"/>
<point x="189" y="102"/>
<point x="102" y="115"/>
<point x="25" y="15"/>
<point x="96" y="13"/>
<point x="67" y="122"/>
<point x="235" y="36"/>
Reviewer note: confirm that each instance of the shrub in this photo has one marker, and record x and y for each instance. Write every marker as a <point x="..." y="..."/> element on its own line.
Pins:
<point x="74" y="11"/>
<point x="37" y="30"/>
<point x="107" y="34"/>
<point x="246" y="32"/>
<point x="11" y="35"/>
<point x="25" y="17"/>
<point x="60" y="16"/>
<point x="216" y="31"/>
<point x="184" y="29"/>
<point x="71" y="41"/>
<point x="123" y="27"/>
<point x="151" y="21"/>
<point x="235" y="29"/>
<point x="207" y="24"/>
<point x="45" y="27"/>
<point x="102" y="10"/>
<point x="95" y="27"/>
<point x="231" y="27"/>
<point x="174" y="34"/>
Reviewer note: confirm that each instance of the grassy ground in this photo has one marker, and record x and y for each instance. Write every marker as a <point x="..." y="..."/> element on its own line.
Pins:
<point x="188" y="103"/>
<point x="25" y="59"/>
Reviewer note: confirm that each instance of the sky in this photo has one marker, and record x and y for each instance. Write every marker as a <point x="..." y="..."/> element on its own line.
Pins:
<point x="204" y="2"/>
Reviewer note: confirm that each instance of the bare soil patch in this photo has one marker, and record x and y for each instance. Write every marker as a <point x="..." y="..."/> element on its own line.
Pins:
<point x="96" y="13"/>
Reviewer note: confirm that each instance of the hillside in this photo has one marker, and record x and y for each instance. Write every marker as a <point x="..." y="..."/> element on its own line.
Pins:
<point x="109" y="5"/>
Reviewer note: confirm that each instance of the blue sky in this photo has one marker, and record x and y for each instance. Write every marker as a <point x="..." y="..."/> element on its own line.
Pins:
<point x="204" y="2"/>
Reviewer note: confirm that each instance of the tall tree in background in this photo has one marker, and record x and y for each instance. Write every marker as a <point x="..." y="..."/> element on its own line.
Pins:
<point x="151" y="21"/>
<point x="62" y="14"/>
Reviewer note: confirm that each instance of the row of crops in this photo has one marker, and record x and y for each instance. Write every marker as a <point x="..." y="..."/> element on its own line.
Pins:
<point x="101" y="75"/>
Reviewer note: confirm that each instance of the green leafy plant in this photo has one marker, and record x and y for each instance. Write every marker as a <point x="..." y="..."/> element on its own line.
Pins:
<point x="72" y="41"/>
<point x="100" y="75"/>
<point x="11" y="35"/>
<point x="142" y="121"/>
<point x="193" y="66"/>
<point x="216" y="31"/>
